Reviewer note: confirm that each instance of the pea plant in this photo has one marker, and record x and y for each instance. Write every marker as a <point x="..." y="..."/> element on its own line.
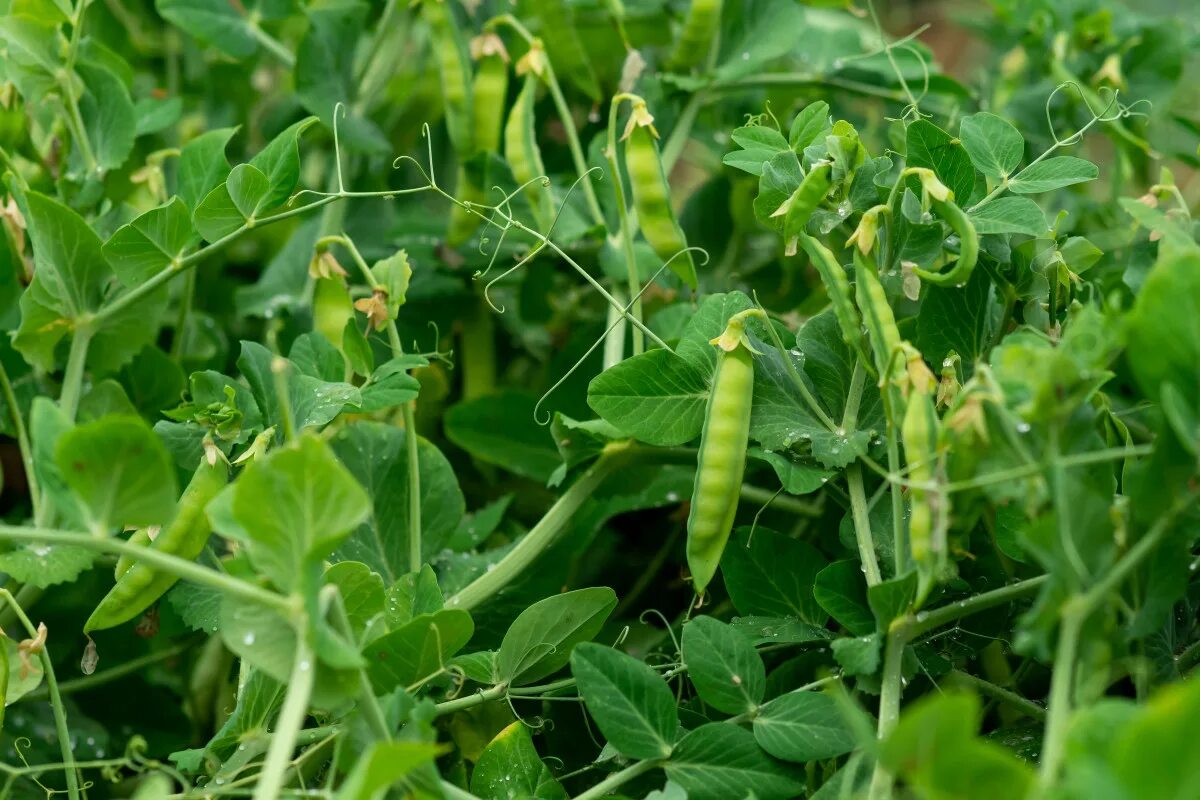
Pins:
<point x="575" y="399"/>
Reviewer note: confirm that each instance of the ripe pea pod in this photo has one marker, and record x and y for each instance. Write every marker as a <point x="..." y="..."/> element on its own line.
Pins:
<point x="652" y="196"/>
<point x="454" y="69"/>
<point x="918" y="431"/>
<point x="696" y="38"/>
<point x="880" y="321"/>
<point x="838" y="288"/>
<point x="184" y="536"/>
<point x="563" y="44"/>
<point x="722" y="458"/>
<point x="488" y="93"/>
<point x="968" y="248"/>
<point x="799" y="207"/>
<point x="523" y="155"/>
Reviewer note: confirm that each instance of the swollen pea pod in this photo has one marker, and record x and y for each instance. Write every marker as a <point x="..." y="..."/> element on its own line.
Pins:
<point x="696" y="39"/>
<point x="919" y="431"/>
<point x="880" y="321"/>
<point x="968" y="248"/>
<point x="722" y="458"/>
<point x="184" y="536"/>
<point x="523" y="155"/>
<point x="652" y="196"/>
<point x="800" y="205"/>
<point x="489" y="90"/>
<point x="838" y="288"/>
<point x="454" y="69"/>
<point x="142" y="537"/>
<point x="563" y="44"/>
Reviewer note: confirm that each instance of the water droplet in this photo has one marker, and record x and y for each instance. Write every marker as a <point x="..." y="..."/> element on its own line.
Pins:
<point x="248" y="639"/>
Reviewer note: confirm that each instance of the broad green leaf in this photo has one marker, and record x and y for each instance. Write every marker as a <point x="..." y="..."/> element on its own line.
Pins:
<point x="234" y="204"/>
<point x="780" y="178"/>
<point x="120" y="471"/>
<point x="313" y="402"/>
<point x="500" y="429"/>
<point x="361" y="591"/>
<point x="47" y="425"/>
<point x="961" y="320"/>
<point x="20" y="679"/>
<point x="656" y="397"/>
<point x="803" y="726"/>
<point x="279" y="161"/>
<point x="929" y="146"/>
<point x="416" y="593"/>
<point x="631" y="703"/>
<point x="1053" y="173"/>
<point x="891" y="599"/>
<point x="154" y="241"/>
<point x="1154" y="756"/>
<point x="726" y="670"/>
<point x="772" y="575"/>
<point x="842" y="591"/>
<point x="154" y="114"/>
<point x="203" y="166"/>
<point x="315" y="504"/>
<point x="809" y="124"/>
<point x="215" y="22"/>
<point x="758" y="143"/>
<point x="108" y="115"/>
<point x="858" y="655"/>
<point x="43" y="565"/>
<point x="795" y="477"/>
<point x="994" y="145"/>
<point x="1164" y="341"/>
<point x="540" y="639"/>
<point x="511" y="767"/>
<point x="198" y="606"/>
<point x="384" y="765"/>
<point x="417" y="649"/>
<point x="1010" y="215"/>
<point x="719" y="761"/>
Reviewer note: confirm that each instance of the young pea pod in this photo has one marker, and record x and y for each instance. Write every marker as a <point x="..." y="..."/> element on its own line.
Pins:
<point x="919" y="433"/>
<point x="184" y="536"/>
<point x="142" y="537"/>
<point x="695" y="40"/>
<point x="880" y="321"/>
<point x="799" y="207"/>
<point x="968" y="248"/>
<point x="454" y="69"/>
<point x="652" y="196"/>
<point x="489" y="90"/>
<point x="838" y="288"/>
<point x="523" y="155"/>
<point x="563" y="44"/>
<point x="722" y="458"/>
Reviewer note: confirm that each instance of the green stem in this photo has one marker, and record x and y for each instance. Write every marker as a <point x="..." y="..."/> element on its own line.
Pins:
<point x="862" y="524"/>
<point x="891" y="689"/>
<point x="60" y="714"/>
<point x="75" y="119"/>
<point x="18" y="421"/>
<point x="182" y="568"/>
<point x="366" y="692"/>
<point x="614" y="169"/>
<point x="673" y="147"/>
<point x="470" y="700"/>
<point x="272" y="45"/>
<point x="1059" y="704"/>
<point x="68" y="401"/>
<point x="926" y="621"/>
<point x="414" y="486"/>
<point x="784" y="501"/>
<point x="617" y="780"/>
<point x="1013" y="699"/>
<point x="291" y="720"/>
<point x="185" y="308"/>
<point x="543" y="534"/>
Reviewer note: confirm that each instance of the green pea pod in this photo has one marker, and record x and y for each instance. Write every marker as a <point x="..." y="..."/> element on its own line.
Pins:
<point x="918" y="431"/>
<point x="880" y="321"/>
<point x="140" y="537"/>
<point x="652" y="199"/>
<point x="722" y="458"/>
<point x="454" y="69"/>
<point x="968" y="248"/>
<point x="184" y="536"/>
<point x="489" y="91"/>
<point x="567" y="54"/>
<point x="696" y="38"/>
<point x="799" y="207"/>
<point x="838" y="288"/>
<point x="523" y="155"/>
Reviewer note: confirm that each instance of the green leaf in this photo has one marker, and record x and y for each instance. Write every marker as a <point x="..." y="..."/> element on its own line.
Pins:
<point x="315" y="504"/>
<point x="43" y="565"/>
<point x="151" y="243"/>
<point x="719" y="761"/>
<point x="772" y="575"/>
<point x="198" y="606"/>
<point x="960" y="320"/>
<point x="120" y="471"/>
<point x="203" y="166"/>
<point x="891" y="598"/>
<point x="108" y="115"/>
<point x="384" y="765"/>
<point x="417" y="649"/>
<point x="511" y="767"/>
<point x="215" y="22"/>
<point x="809" y="124"/>
<point x="1010" y="215"/>
<point x="313" y="402"/>
<point x="416" y="593"/>
<point x="842" y="591"/>
<point x="1163" y="338"/>
<point x="857" y="655"/>
<point x="781" y="176"/>
<point x="758" y="143"/>
<point x="726" y="670"/>
<point x="500" y="429"/>
<point x="361" y="591"/>
<point x="803" y="726"/>
<point x="47" y="425"/>
<point x="994" y="145"/>
<point x="540" y="640"/>
<point x="1053" y="173"/>
<point x="631" y="703"/>
<point x="929" y="146"/>
<point x="1154" y="755"/>
<point x="234" y="204"/>
<point x="279" y="161"/>
<point x="656" y="397"/>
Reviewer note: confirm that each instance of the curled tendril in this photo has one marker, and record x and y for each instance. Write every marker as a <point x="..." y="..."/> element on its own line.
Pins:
<point x="666" y="625"/>
<point x="621" y="637"/>
<point x="337" y="149"/>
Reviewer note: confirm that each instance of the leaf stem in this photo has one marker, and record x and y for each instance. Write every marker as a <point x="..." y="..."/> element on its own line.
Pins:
<point x="72" y="387"/>
<point x="1026" y="706"/>
<point x="291" y="719"/>
<point x="272" y="45"/>
<point x="60" y="714"/>
<point x="617" y="780"/>
<point x="891" y="688"/>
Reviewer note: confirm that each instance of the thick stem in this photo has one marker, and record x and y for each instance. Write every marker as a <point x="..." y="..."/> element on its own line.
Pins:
<point x="617" y="780"/>
<point x="72" y="386"/>
<point x="1058" y="715"/>
<point x="862" y="524"/>
<point x="926" y="621"/>
<point x="414" y="487"/>
<point x="990" y="689"/>
<point x="291" y="719"/>
<point x="60" y="714"/>
<point x="471" y="700"/>
<point x="889" y="703"/>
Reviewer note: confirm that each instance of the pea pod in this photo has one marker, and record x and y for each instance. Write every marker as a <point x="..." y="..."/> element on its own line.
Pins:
<point x="454" y="70"/>
<point x="968" y="248"/>
<point x="523" y="155"/>
<point x="563" y="44"/>
<point x="695" y="40"/>
<point x="880" y="321"/>
<point x="184" y="536"/>
<point x="652" y="199"/>
<point x="489" y="91"/>
<point x="142" y="538"/>
<point x="838" y="288"/>
<point x="799" y="207"/>
<point x="722" y="458"/>
<point x="918" y="431"/>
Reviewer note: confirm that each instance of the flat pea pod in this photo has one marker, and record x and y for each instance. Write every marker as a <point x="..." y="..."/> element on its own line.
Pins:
<point x="454" y="70"/>
<point x="652" y="199"/>
<point x="523" y="155"/>
<point x="564" y="46"/>
<point x="800" y="205"/>
<point x="696" y="37"/>
<point x="184" y="536"/>
<point x="489" y="90"/>
<point x="722" y="458"/>
<point x="918" y="431"/>
<point x="833" y="276"/>
<point x="880" y="321"/>
<point x="968" y="248"/>
<point x="142" y="537"/>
